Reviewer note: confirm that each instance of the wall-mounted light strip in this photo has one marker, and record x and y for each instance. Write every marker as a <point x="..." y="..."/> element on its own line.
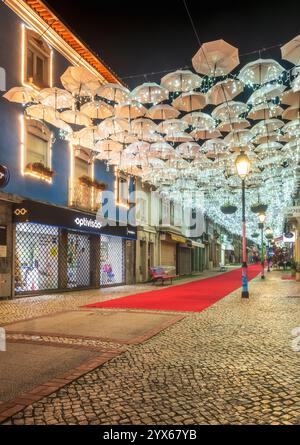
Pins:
<point x="116" y="186"/>
<point x="22" y="144"/>
<point x="71" y="183"/>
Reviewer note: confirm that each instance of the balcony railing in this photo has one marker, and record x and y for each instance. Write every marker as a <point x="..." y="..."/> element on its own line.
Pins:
<point x="84" y="196"/>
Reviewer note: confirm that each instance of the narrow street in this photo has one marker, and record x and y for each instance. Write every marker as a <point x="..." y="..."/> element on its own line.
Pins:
<point x="235" y="362"/>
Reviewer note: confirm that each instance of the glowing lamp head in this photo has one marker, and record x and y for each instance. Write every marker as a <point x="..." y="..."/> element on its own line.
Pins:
<point x="242" y="164"/>
<point x="262" y="217"/>
<point x="269" y="233"/>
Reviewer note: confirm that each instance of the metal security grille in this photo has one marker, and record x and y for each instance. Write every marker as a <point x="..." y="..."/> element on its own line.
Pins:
<point x="36" y="259"/>
<point x="112" y="264"/>
<point x="79" y="270"/>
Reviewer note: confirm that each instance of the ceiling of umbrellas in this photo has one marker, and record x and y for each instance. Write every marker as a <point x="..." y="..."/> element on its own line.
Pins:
<point x="182" y="136"/>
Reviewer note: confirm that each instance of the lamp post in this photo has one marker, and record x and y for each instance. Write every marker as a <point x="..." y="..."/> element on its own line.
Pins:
<point x="242" y="163"/>
<point x="269" y="236"/>
<point x="262" y="218"/>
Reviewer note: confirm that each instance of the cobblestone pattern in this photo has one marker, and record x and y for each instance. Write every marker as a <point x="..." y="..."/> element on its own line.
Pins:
<point x="230" y="364"/>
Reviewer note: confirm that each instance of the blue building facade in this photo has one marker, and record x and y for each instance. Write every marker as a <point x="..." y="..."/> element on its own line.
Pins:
<point x="50" y="238"/>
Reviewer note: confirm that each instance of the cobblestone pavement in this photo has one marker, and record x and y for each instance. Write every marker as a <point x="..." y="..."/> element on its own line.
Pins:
<point x="230" y="364"/>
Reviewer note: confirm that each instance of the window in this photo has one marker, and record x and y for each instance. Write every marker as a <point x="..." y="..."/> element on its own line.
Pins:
<point x="82" y="167"/>
<point x="122" y="190"/>
<point x="142" y="210"/>
<point x="37" y="144"/>
<point x="37" y="60"/>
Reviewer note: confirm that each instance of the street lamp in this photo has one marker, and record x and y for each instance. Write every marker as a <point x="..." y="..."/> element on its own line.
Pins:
<point x="269" y="236"/>
<point x="262" y="218"/>
<point x="242" y="164"/>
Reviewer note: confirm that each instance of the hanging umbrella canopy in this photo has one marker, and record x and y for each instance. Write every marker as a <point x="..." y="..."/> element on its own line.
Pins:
<point x="178" y="136"/>
<point x="235" y="124"/>
<point x="292" y="128"/>
<point x="130" y="110"/>
<point x="137" y="147"/>
<point x="113" y="125"/>
<point x="291" y="98"/>
<point x="56" y="98"/>
<point x="62" y="125"/>
<point x="171" y="125"/>
<point x="238" y="138"/>
<point x="269" y="146"/>
<point x="108" y="146"/>
<point x="224" y="91"/>
<point x="21" y="95"/>
<point x="266" y="138"/>
<point x="181" y="81"/>
<point x="149" y="93"/>
<point x="76" y="118"/>
<point x="199" y="120"/>
<point x="80" y="81"/>
<point x="291" y="113"/>
<point x="162" y="112"/>
<point x="265" y="93"/>
<point x="260" y="72"/>
<point x="124" y="137"/>
<point x="215" y="58"/>
<point x="113" y="92"/>
<point x="265" y="111"/>
<point x="42" y="112"/>
<point x="205" y="134"/>
<point x="291" y="51"/>
<point x="267" y="126"/>
<point x="142" y="125"/>
<point x="97" y="109"/>
<point x="190" y="101"/>
<point x="188" y="150"/>
<point x="229" y="110"/>
<point x="161" y="150"/>
<point x="87" y="137"/>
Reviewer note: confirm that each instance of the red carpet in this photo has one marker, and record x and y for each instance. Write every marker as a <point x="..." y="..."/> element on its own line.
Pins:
<point x="194" y="296"/>
<point x="287" y="277"/>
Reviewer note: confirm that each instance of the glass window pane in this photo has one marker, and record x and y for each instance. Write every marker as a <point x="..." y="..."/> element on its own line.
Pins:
<point x="39" y="70"/>
<point x="30" y="59"/>
<point x="81" y="168"/>
<point x="36" y="149"/>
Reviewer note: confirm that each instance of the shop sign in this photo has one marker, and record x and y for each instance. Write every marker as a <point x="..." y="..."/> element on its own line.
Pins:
<point x="4" y="176"/>
<point x="293" y="212"/>
<point x="289" y="237"/>
<point x="40" y="213"/>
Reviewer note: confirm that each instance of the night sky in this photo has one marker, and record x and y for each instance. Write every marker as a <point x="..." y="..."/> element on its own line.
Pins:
<point x="150" y="36"/>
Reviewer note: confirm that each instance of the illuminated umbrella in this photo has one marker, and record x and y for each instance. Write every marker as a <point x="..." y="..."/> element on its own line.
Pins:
<point x="56" y="98"/>
<point x="269" y="146"/>
<point x="224" y="91"/>
<point x="107" y="147"/>
<point x="114" y="92"/>
<point x="113" y="125"/>
<point x="213" y="148"/>
<point x="78" y="80"/>
<point x="181" y="81"/>
<point x="97" y="109"/>
<point x="260" y="71"/>
<point x="205" y="134"/>
<point x="188" y="150"/>
<point x="267" y="126"/>
<point x="171" y="125"/>
<point x="87" y="137"/>
<point x="42" y="112"/>
<point x="178" y="136"/>
<point x="238" y="137"/>
<point x="21" y="95"/>
<point x="142" y="126"/>
<point x="137" y="147"/>
<point x="162" y="112"/>
<point x="291" y="51"/>
<point x="291" y="98"/>
<point x="265" y="111"/>
<point x="229" y="110"/>
<point x="199" y="120"/>
<point x="161" y="150"/>
<point x="130" y="110"/>
<point x="292" y="128"/>
<point x="265" y="93"/>
<point x="62" y="125"/>
<point x="190" y="101"/>
<point x="215" y="58"/>
<point x="291" y="113"/>
<point x="76" y="118"/>
<point x="265" y="138"/>
<point x="235" y="124"/>
<point x="149" y="93"/>
<point x="124" y="137"/>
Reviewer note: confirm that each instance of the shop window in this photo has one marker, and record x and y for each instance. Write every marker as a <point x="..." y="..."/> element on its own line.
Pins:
<point x="177" y="215"/>
<point x="142" y="210"/>
<point x="81" y="185"/>
<point x="112" y="262"/>
<point x="37" y="60"/>
<point x="37" y="152"/>
<point x="165" y="212"/>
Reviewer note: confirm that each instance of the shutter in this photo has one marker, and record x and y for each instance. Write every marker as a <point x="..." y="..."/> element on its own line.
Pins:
<point x="185" y="261"/>
<point x="168" y="254"/>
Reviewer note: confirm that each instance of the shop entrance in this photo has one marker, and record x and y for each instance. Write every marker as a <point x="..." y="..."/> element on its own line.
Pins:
<point x="79" y="270"/>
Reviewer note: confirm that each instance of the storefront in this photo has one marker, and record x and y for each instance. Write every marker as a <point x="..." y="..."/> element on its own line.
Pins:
<point x="198" y="256"/>
<point x="146" y="253"/>
<point x="60" y="249"/>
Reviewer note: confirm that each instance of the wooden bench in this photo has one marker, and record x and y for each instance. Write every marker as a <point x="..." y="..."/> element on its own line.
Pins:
<point x="159" y="273"/>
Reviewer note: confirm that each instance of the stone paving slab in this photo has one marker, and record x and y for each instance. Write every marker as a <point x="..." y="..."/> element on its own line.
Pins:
<point x="121" y="327"/>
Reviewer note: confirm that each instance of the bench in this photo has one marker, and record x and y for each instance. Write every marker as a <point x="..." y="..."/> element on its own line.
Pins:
<point x="159" y="273"/>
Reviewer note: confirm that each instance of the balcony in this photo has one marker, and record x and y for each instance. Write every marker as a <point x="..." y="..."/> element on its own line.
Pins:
<point x="85" y="194"/>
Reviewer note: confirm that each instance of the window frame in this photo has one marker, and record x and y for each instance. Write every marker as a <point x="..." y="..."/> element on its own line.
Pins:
<point x="121" y="178"/>
<point x="42" y="51"/>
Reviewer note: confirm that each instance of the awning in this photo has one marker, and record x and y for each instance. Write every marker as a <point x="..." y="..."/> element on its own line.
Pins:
<point x="177" y="238"/>
<point x="196" y="244"/>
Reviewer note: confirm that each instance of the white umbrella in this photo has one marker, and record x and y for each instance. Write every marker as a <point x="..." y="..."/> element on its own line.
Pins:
<point x="21" y="95"/>
<point x="124" y="137"/>
<point x="107" y="147"/>
<point x="291" y="113"/>
<point x="162" y="112"/>
<point x="113" y="125"/>
<point x="265" y="111"/>
<point x="199" y="120"/>
<point x="291" y="98"/>
<point x="56" y="98"/>
<point x="205" y="134"/>
<point x="142" y="125"/>
<point x="238" y="137"/>
<point x="130" y="110"/>
<point x="223" y="91"/>
<point x="178" y="136"/>
<point x="216" y="58"/>
<point x="75" y="117"/>
<point x="137" y="147"/>
<point x="267" y="126"/>
<point x="149" y="93"/>
<point x="260" y="71"/>
<point x="62" y="125"/>
<point x="97" y="109"/>
<point x="86" y="137"/>
<point x="114" y="92"/>
<point x="266" y="93"/>
<point x="229" y="110"/>
<point x="291" y="51"/>
<point x="181" y="81"/>
<point x="42" y="112"/>
<point x="235" y="124"/>
<point x="171" y="125"/>
<point x="79" y="81"/>
<point x="292" y="128"/>
<point x="161" y="149"/>
<point x="190" y="101"/>
<point x="188" y="150"/>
